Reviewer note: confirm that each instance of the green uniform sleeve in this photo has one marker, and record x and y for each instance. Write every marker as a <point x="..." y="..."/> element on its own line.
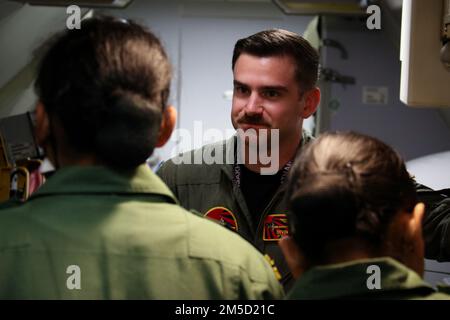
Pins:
<point x="437" y="231"/>
<point x="258" y="280"/>
<point x="436" y="224"/>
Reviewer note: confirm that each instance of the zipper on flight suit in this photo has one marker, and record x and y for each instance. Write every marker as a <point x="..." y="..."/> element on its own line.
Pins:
<point x="227" y="170"/>
<point x="244" y="209"/>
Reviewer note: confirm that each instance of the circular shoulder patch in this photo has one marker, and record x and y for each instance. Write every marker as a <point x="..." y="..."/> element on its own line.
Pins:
<point x="224" y="216"/>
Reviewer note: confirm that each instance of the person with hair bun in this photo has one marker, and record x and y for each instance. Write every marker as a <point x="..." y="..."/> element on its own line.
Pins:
<point x="355" y="223"/>
<point x="104" y="226"/>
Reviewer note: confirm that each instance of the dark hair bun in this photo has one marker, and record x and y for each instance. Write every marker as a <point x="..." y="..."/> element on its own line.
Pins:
<point x="346" y="186"/>
<point x="128" y="132"/>
<point x="329" y="207"/>
<point x="106" y="85"/>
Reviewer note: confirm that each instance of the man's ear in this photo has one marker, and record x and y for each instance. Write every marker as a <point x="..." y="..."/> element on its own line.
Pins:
<point x="293" y="256"/>
<point x="311" y="102"/>
<point x="42" y="129"/>
<point x="167" y="125"/>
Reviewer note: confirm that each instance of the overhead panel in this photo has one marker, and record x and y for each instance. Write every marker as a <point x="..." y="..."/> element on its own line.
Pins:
<point x="82" y="3"/>
<point x="320" y="7"/>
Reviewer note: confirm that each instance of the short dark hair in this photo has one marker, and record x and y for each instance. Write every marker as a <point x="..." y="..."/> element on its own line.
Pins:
<point x="346" y="185"/>
<point x="107" y="84"/>
<point x="278" y="42"/>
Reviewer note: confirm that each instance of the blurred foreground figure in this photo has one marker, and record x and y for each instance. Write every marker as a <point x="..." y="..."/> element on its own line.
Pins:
<point x="355" y="223"/>
<point x="104" y="226"/>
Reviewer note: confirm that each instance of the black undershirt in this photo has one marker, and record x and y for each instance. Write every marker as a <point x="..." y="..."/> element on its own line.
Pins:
<point x="258" y="190"/>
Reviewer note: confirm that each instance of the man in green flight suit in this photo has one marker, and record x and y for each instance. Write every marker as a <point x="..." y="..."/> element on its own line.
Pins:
<point x="104" y="226"/>
<point x="275" y="74"/>
<point x="355" y="222"/>
<point x="275" y="77"/>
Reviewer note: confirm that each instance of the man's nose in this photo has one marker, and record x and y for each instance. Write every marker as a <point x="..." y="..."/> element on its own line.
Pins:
<point x="254" y="104"/>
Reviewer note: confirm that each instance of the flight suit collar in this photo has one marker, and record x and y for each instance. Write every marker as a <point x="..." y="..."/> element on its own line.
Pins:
<point x="230" y="159"/>
<point x="227" y="168"/>
<point x="101" y="180"/>
<point x="349" y="280"/>
<point x="230" y="146"/>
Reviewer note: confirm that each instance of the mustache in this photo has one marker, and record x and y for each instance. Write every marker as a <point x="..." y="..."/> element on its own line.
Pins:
<point x="255" y="120"/>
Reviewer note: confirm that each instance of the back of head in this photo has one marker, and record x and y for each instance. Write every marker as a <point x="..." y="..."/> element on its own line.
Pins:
<point x="278" y="42"/>
<point x="106" y="85"/>
<point x="346" y="186"/>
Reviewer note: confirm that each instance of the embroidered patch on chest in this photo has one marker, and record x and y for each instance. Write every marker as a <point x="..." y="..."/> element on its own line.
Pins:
<point x="275" y="227"/>
<point x="224" y="216"/>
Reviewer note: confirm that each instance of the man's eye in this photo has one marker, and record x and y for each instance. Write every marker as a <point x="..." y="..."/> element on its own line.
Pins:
<point x="241" y="90"/>
<point x="271" y="94"/>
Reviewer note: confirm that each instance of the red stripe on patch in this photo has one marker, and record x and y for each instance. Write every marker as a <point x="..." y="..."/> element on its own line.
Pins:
<point x="275" y="227"/>
<point x="224" y="216"/>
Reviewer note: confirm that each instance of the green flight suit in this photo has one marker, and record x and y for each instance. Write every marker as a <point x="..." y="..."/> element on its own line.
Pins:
<point x="203" y="187"/>
<point x="436" y="223"/>
<point x="92" y="233"/>
<point x="355" y="280"/>
<point x="208" y="187"/>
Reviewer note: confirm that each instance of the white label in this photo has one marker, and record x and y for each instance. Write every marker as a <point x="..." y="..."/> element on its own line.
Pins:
<point x="375" y="95"/>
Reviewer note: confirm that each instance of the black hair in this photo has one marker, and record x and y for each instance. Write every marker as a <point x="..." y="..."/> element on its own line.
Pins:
<point x="278" y="42"/>
<point x="107" y="85"/>
<point x="346" y="186"/>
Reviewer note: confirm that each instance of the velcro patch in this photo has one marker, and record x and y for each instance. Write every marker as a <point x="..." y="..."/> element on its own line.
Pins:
<point x="224" y="216"/>
<point x="274" y="267"/>
<point x="275" y="227"/>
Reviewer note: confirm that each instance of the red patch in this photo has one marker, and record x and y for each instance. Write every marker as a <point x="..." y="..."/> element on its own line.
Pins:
<point x="224" y="216"/>
<point x="275" y="227"/>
